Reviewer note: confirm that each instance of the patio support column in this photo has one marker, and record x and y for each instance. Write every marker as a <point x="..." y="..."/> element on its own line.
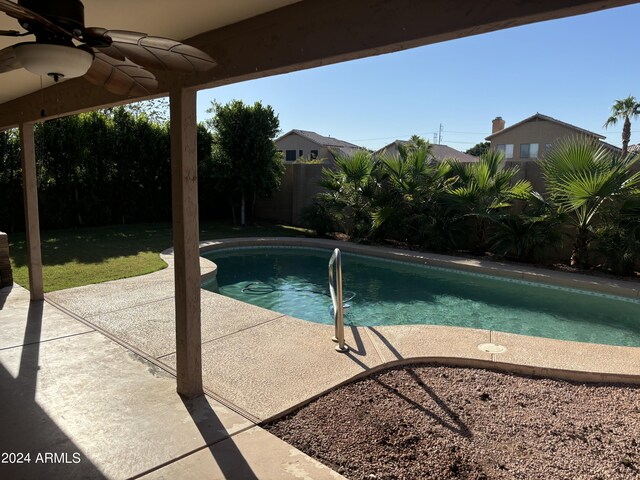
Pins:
<point x="184" y="187"/>
<point x="32" y="217"/>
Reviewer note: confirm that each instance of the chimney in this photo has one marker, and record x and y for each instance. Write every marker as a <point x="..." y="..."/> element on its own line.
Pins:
<point x="498" y="124"/>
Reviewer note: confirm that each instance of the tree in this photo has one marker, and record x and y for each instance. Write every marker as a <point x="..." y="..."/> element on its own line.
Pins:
<point x="530" y="234"/>
<point x="416" y="142"/>
<point x="248" y="164"/>
<point x="350" y="188"/>
<point x="624" y="110"/>
<point x="155" y="110"/>
<point x="11" y="212"/>
<point x="484" y="190"/>
<point x="617" y="236"/>
<point x="407" y="202"/>
<point x="582" y="177"/>
<point x="479" y="149"/>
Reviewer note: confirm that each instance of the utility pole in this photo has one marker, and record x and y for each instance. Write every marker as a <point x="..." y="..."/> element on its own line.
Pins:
<point x="435" y="138"/>
<point x="440" y="135"/>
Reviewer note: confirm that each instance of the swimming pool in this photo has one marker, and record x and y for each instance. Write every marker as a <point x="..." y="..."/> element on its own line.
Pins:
<point x="293" y="281"/>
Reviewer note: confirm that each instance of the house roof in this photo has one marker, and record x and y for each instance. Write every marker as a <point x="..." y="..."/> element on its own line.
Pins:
<point x="634" y="148"/>
<point x="440" y="152"/>
<point x="347" y="148"/>
<point x="391" y="145"/>
<point x="444" y="151"/>
<point x="611" y="147"/>
<point x="539" y="116"/>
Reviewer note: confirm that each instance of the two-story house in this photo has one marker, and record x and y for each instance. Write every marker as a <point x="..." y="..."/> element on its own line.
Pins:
<point x="531" y="138"/>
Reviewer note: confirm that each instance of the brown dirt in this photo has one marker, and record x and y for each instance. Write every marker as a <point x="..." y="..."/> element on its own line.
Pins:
<point x="436" y="422"/>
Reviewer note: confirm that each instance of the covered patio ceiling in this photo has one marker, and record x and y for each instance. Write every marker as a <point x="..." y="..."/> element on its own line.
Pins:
<point x="164" y="18"/>
<point x="254" y="38"/>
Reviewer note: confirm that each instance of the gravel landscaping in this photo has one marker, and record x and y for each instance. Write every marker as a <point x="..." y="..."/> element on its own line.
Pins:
<point x="437" y="422"/>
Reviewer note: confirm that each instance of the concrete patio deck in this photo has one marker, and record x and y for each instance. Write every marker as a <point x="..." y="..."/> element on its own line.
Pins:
<point x="84" y="406"/>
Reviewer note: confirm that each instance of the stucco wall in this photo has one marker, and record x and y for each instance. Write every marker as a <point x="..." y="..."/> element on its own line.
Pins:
<point x="300" y="185"/>
<point x="529" y="170"/>
<point x="298" y="188"/>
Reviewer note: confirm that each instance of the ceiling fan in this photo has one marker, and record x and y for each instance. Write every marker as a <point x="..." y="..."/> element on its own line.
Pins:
<point x="114" y="59"/>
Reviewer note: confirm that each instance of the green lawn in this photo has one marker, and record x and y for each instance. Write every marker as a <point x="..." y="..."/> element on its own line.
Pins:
<point x="72" y="258"/>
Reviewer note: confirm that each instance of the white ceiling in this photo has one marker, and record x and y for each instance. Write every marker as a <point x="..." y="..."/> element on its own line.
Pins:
<point x="165" y="18"/>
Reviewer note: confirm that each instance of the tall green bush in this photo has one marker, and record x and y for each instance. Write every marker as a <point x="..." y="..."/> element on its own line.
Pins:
<point x="617" y="237"/>
<point x="408" y="203"/>
<point x="528" y="235"/>
<point x="350" y="190"/>
<point x="105" y="167"/>
<point x="11" y="205"/>
<point x="483" y="192"/>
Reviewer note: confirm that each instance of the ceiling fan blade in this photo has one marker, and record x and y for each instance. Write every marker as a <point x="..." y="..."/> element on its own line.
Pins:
<point x="24" y="14"/>
<point x="151" y="52"/>
<point x="121" y="77"/>
<point x="8" y="60"/>
<point x="10" y="33"/>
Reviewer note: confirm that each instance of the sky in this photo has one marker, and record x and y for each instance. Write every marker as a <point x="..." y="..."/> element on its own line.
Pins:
<point x="572" y="69"/>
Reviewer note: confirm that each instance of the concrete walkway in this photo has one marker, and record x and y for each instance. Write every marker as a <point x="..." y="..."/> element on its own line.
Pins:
<point x="84" y="406"/>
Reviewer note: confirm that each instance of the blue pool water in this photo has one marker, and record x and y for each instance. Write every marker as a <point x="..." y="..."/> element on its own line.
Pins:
<point x="293" y="281"/>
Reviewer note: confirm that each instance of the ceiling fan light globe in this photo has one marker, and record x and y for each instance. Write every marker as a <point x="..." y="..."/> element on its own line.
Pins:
<point x="47" y="59"/>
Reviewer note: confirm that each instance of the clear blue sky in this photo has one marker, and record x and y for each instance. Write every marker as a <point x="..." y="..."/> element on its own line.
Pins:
<point x="572" y="69"/>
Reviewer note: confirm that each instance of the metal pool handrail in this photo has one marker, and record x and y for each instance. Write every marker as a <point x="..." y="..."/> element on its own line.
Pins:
<point x="335" y="287"/>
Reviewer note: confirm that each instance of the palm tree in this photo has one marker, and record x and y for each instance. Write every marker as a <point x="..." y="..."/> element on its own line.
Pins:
<point x="530" y="234"/>
<point x="484" y="190"/>
<point x="418" y="141"/>
<point x="349" y="190"/>
<point x="409" y="186"/>
<point x="582" y="176"/>
<point x="618" y="236"/>
<point x="624" y="109"/>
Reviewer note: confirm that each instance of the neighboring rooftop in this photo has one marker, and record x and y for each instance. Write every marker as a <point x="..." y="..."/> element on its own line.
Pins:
<point x="539" y="116"/>
<point x="347" y="148"/>
<point x="440" y="152"/>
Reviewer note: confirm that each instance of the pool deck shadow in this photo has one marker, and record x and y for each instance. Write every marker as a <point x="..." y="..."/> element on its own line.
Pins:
<point x="263" y="364"/>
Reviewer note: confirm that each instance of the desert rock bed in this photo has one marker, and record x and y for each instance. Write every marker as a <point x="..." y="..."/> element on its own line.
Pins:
<point x="437" y="422"/>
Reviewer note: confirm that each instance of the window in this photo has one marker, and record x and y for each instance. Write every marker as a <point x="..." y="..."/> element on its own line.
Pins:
<point x="300" y="153"/>
<point x="291" y="156"/>
<point x="314" y="154"/>
<point x="507" y="149"/>
<point x="547" y="147"/>
<point x="529" y="150"/>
